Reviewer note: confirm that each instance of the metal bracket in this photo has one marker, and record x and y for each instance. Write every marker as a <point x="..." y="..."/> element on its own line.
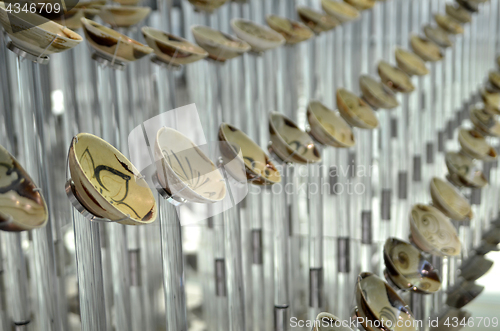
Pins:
<point x="169" y="66"/>
<point x="403" y="185"/>
<point x="417" y="168"/>
<point x="116" y="65"/>
<point x="344" y="255"/>
<point x="385" y="204"/>
<point x="257" y="249"/>
<point x="316" y="287"/>
<point x="28" y="56"/>
<point x="281" y="318"/>
<point x="220" y="278"/>
<point x="135" y="267"/>
<point x="366" y="227"/>
<point x="73" y="198"/>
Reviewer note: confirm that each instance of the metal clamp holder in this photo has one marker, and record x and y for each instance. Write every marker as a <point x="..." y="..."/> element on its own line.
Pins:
<point x="281" y="318"/>
<point x="220" y="278"/>
<point x="73" y="198"/>
<point x="25" y="55"/>
<point x="316" y="287"/>
<point x="343" y="255"/>
<point x="135" y="267"/>
<point x="164" y="193"/>
<point x="257" y="249"/>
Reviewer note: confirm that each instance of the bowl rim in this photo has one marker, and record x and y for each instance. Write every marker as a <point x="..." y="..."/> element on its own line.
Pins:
<point x="91" y="186"/>
<point x="337" y="116"/>
<point x="202" y="154"/>
<point x="247" y="138"/>
<point x="273" y="114"/>
<point x="18" y="225"/>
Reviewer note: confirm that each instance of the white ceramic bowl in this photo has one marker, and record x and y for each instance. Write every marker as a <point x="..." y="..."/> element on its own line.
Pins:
<point x="185" y="171"/>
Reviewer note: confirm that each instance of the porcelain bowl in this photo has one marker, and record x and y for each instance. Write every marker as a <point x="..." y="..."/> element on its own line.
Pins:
<point x="450" y="201"/>
<point x="408" y="269"/>
<point x="290" y="143"/>
<point x="105" y="42"/>
<point x="172" y="49"/>
<point x="463" y="293"/>
<point x="470" y="5"/>
<point x="491" y="101"/>
<point x="494" y="78"/>
<point x="475" y="267"/>
<point x="317" y="21"/>
<point x="128" y="2"/>
<point x="438" y="36"/>
<point x="22" y="206"/>
<point x="463" y="171"/>
<point x="107" y="184"/>
<point x="394" y="78"/>
<point x="377" y="302"/>
<point x="342" y="11"/>
<point x="260" y="37"/>
<point x="433" y="232"/>
<point x="361" y="4"/>
<point x="37" y="35"/>
<point x="123" y="16"/>
<point x="355" y="110"/>
<point x="410" y="63"/>
<point x="259" y="168"/>
<point x="328" y="127"/>
<point x="377" y="94"/>
<point x="449" y="24"/>
<point x="484" y="122"/>
<point x="459" y="13"/>
<point x="184" y="171"/>
<point x="219" y="45"/>
<point x="329" y="322"/>
<point x="475" y="145"/>
<point x="293" y="32"/>
<point x="207" y="5"/>
<point x="70" y="19"/>
<point x="426" y="49"/>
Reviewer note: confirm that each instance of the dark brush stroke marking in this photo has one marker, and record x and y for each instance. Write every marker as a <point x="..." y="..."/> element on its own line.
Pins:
<point x="126" y="178"/>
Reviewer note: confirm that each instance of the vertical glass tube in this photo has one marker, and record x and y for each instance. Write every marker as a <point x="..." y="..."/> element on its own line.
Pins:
<point x="173" y="266"/>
